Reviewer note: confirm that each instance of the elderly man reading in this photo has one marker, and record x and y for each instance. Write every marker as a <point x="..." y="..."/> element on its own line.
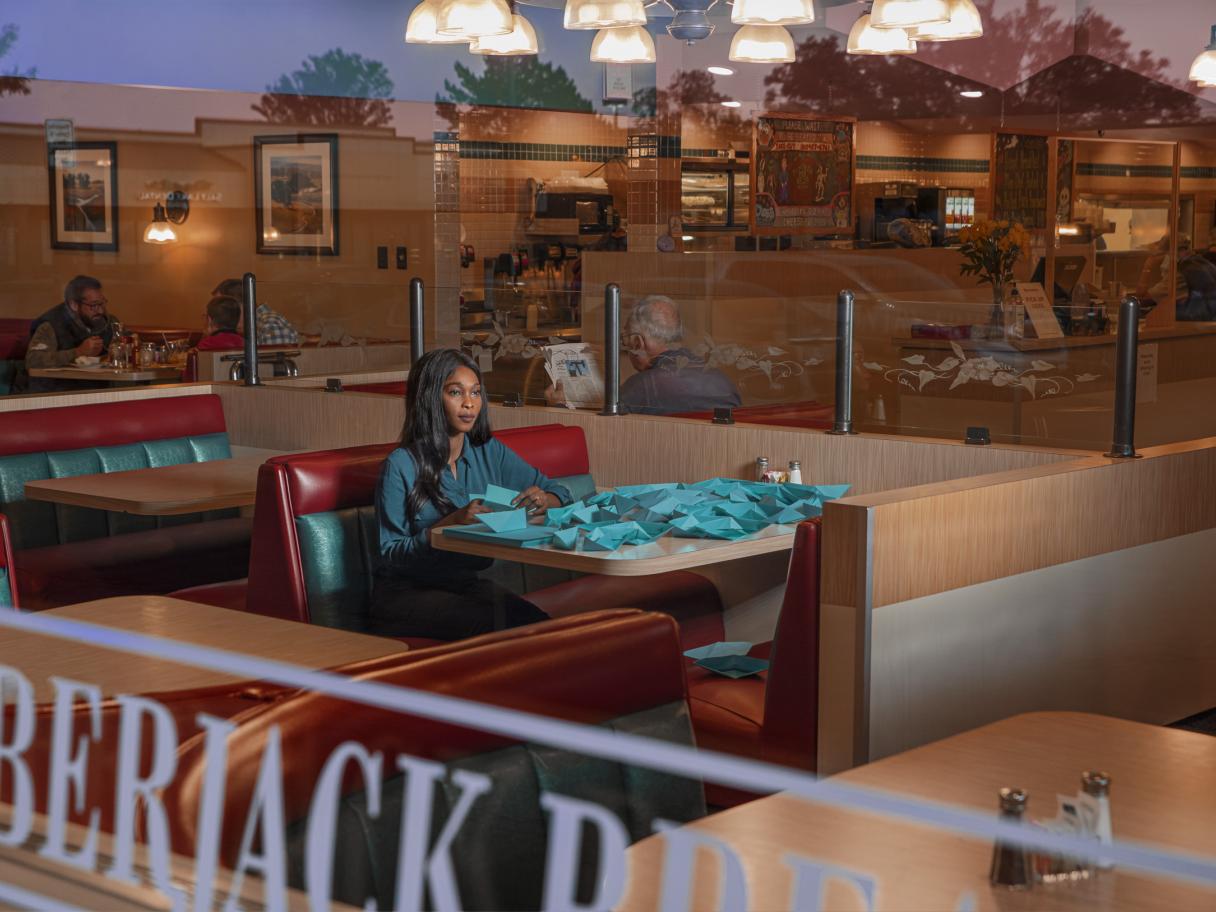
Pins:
<point x="670" y="379"/>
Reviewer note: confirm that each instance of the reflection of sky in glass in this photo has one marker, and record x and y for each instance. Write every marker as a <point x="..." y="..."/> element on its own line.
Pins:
<point x="244" y="45"/>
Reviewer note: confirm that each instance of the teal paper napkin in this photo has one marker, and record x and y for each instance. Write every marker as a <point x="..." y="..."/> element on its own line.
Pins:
<point x="505" y="521"/>
<point x="734" y="666"/>
<point x="713" y="650"/>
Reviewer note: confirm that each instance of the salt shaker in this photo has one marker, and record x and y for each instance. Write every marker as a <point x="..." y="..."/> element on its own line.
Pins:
<point x="761" y="467"/>
<point x="1095" y="784"/>
<point x="795" y="472"/>
<point x="1011" y="865"/>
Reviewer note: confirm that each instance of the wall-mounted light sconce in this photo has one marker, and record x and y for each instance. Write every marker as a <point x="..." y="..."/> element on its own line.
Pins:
<point x="174" y="211"/>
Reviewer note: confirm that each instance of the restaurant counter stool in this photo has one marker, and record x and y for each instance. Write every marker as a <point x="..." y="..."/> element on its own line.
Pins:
<point x="617" y="670"/>
<point x="772" y="716"/>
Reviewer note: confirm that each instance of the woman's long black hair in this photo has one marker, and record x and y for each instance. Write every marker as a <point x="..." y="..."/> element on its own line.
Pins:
<point x="426" y="435"/>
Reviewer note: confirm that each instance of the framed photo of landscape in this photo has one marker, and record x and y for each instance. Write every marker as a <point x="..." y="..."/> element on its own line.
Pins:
<point x="84" y="195"/>
<point x="296" y="193"/>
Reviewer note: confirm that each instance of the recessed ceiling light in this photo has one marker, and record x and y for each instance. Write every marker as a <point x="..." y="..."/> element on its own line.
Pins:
<point x="721" y="71"/>
<point x="687" y="237"/>
<point x="972" y="93"/>
<point x="732" y="104"/>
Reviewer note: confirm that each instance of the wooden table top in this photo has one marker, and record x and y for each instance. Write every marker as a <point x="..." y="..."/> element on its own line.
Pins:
<point x="659" y="556"/>
<point x="109" y="374"/>
<point x="308" y="645"/>
<point x="1163" y="794"/>
<point x="190" y="487"/>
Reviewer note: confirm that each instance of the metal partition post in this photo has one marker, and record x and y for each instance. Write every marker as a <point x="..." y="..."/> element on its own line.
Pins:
<point x="417" y="326"/>
<point x="1123" y="445"/>
<point x="612" y="350"/>
<point x="843" y="422"/>
<point x="251" y="330"/>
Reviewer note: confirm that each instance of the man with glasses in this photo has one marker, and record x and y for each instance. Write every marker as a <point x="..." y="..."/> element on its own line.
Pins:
<point x="79" y="327"/>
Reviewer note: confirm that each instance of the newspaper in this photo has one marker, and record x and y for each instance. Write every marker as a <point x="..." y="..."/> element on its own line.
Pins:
<point x="574" y="368"/>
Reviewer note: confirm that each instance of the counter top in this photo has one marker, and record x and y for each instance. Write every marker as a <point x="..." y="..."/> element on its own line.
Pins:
<point x="1154" y="334"/>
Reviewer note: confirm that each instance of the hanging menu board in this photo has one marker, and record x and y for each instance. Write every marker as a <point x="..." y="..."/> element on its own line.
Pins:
<point x="1066" y="170"/>
<point x="802" y="174"/>
<point x="1019" y="178"/>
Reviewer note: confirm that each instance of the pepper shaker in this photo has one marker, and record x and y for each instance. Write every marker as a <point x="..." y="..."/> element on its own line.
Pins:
<point x="1096" y="785"/>
<point x="761" y="467"/>
<point x="1011" y="865"/>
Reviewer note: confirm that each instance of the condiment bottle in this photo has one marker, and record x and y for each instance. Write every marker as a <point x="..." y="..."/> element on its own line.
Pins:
<point x="1011" y="865"/>
<point x="135" y="352"/>
<point x="761" y="467"/>
<point x="1096" y="785"/>
<point x="795" y="472"/>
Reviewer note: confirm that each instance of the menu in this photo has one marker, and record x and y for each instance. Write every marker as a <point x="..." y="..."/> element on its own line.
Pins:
<point x="1066" y="151"/>
<point x="1039" y="310"/>
<point x="802" y="175"/>
<point x="1019" y="178"/>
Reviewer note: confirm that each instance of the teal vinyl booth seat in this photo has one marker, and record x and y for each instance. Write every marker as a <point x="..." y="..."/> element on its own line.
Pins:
<point x="618" y="670"/>
<point x="66" y="554"/>
<point x="315" y="544"/>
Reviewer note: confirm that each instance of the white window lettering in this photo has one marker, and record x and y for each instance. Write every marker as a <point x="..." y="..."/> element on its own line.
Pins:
<point x="211" y="807"/>
<point x="811" y="879"/>
<point x="69" y="763"/>
<point x="678" y="869"/>
<point x="323" y="816"/>
<point x="564" y="848"/>
<point x="415" y="866"/>
<point x="266" y="815"/>
<point x="15" y="689"/>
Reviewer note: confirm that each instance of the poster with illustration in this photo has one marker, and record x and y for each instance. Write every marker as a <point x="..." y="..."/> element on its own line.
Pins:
<point x="802" y="174"/>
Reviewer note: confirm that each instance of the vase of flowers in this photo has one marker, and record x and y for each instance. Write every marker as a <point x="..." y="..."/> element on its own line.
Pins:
<point x="990" y="248"/>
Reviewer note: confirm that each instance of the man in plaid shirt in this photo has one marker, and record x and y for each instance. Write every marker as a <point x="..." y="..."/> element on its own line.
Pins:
<point x="273" y="328"/>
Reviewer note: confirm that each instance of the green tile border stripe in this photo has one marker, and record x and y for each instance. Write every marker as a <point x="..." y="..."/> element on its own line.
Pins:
<point x="922" y="163"/>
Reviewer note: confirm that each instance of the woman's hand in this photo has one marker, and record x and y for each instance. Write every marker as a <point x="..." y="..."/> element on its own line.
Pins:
<point x="535" y="501"/>
<point x="464" y="516"/>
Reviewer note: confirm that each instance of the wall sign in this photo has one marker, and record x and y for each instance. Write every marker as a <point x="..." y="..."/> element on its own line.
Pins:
<point x="84" y="195"/>
<point x="1019" y="178"/>
<point x="1039" y="311"/>
<point x="618" y="83"/>
<point x="59" y="131"/>
<point x="802" y="174"/>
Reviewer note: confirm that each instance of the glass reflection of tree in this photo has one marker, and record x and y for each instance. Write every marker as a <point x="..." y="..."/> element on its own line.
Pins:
<point x="506" y="83"/>
<point x="13" y="81"/>
<point x="691" y="93"/>
<point x="332" y="89"/>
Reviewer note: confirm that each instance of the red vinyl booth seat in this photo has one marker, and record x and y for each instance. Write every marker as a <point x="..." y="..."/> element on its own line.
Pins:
<point x="773" y="716"/>
<point x="330" y="481"/>
<point x="618" y="669"/>
<point x="8" y="578"/>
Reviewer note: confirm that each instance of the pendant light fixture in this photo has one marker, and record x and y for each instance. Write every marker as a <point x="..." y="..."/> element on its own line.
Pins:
<point x="623" y="45"/>
<point x="965" y="22"/>
<point x="762" y="44"/>
<point x="604" y="14"/>
<point x="420" y="29"/>
<point x="1203" y="70"/>
<point x="909" y="13"/>
<point x="470" y="19"/>
<point x="867" y="40"/>
<point x="520" y="42"/>
<point x="773" y="12"/>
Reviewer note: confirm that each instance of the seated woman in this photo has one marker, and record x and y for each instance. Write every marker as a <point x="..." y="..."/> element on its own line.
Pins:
<point x="447" y="456"/>
<point x="223" y="316"/>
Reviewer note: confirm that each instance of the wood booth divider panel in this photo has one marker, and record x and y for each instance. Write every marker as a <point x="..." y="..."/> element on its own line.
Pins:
<point x="934" y="560"/>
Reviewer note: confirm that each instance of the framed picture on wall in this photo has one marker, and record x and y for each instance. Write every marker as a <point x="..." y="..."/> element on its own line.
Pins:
<point x="84" y="195"/>
<point x="296" y="193"/>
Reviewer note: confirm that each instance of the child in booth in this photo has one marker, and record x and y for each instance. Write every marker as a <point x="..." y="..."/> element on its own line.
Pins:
<point x="223" y="317"/>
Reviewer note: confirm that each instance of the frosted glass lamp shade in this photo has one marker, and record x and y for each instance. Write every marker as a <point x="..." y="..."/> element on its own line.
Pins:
<point x="867" y="40"/>
<point x="772" y="12"/>
<point x="159" y="231"/>
<point x="762" y="44"/>
<point x="602" y="14"/>
<point x="473" y="18"/>
<point x="519" y="43"/>
<point x="623" y="45"/>
<point x="909" y="13"/>
<point x="965" y="22"/>
<point x="1203" y="70"/>
<point x="420" y="29"/>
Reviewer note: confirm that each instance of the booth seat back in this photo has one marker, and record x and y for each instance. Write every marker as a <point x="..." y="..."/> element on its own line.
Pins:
<point x="315" y="540"/>
<point x="14" y="337"/>
<point x="103" y="437"/>
<point x="8" y="577"/>
<point x="620" y="670"/>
